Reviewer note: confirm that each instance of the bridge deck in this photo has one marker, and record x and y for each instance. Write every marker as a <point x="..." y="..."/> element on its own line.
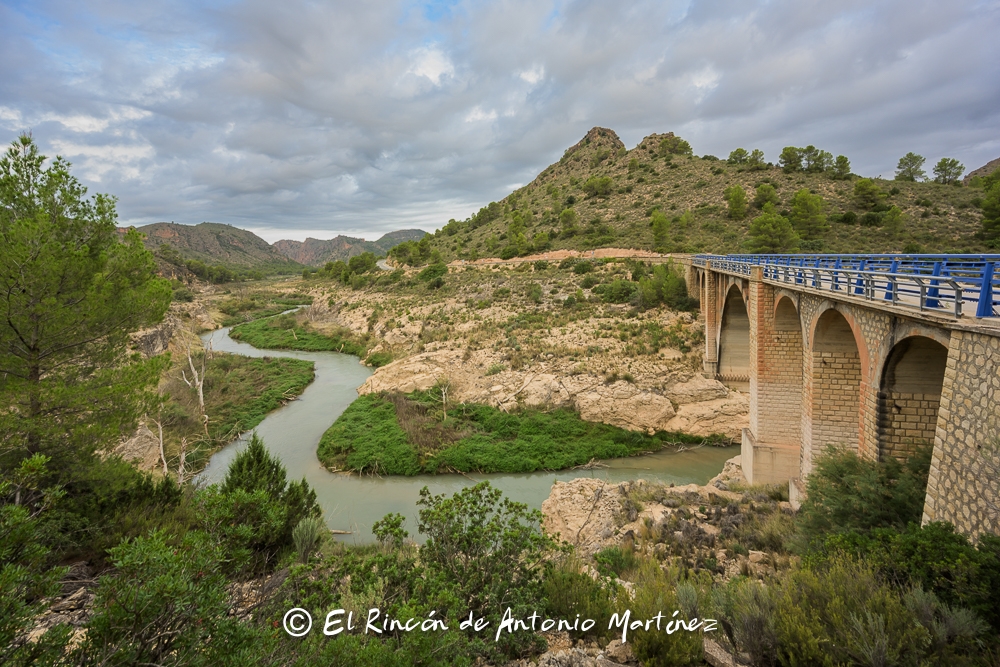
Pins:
<point x="952" y="286"/>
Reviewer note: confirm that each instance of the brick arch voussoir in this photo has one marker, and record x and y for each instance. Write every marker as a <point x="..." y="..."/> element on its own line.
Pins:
<point x="901" y="332"/>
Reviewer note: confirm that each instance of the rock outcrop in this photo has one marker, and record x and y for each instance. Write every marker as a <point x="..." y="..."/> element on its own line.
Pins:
<point x="588" y="512"/>
<point x="697" y="405"/>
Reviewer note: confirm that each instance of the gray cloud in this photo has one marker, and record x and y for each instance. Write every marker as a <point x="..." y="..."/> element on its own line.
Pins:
<point x="303" y="117"/>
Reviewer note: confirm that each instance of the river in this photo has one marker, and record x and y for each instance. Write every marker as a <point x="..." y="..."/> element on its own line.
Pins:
<point x="354" y="503"/>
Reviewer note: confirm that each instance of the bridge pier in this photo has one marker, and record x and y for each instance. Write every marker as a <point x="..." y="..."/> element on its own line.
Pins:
<point x="710" y="309"/>
<point x="771" y="443"/>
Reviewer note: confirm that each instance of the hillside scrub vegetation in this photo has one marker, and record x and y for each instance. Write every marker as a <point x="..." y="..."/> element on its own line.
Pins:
<point x="397" y="434"/>
<point x="617" y="193"/>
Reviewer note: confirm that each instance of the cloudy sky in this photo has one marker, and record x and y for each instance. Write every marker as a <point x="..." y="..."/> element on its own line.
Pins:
<point x="308" y="118"/>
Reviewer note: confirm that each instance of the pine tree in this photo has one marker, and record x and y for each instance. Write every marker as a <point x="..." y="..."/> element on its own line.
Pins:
<point x="736" y="197"/>
<point x="71" y="293"/>
<point x="771" y="233"/>
<point x="807" y="217"/>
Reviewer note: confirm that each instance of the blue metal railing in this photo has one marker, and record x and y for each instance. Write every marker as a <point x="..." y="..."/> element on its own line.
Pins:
<point x="957" y="285"/>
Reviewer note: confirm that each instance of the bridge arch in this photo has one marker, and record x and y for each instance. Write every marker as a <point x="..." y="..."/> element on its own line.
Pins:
<point x="836" y="374"/>
<point x="909" y="395"/>
<point x="734" y="341"/>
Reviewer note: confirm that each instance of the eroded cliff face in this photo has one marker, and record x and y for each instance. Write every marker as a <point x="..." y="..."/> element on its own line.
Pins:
<point x="689" y="402"/>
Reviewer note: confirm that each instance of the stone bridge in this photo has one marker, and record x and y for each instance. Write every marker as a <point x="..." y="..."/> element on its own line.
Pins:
<point x="876" y="353"/>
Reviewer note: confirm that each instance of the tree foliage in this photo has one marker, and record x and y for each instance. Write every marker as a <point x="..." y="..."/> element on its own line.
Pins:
<point x="909" y="168"/>
<point x="790" y="159"/>
<point x="771" y="233"/>
<point x="598" y="186"/>
<point x="846" y="492"/>
<point x="991" y="209"/>
<point x="661" y="230"/>
<point x="279" y="504"/>
<point x="867" y="194"/>
<point x="766" y="194"/>
<point x="948" y="170"/>
<point x="841" y="168"/>
<point x="738" y="156"/>
<point x="71" y="294"/>
<point x="672" y="145"/>
<point x="807" y="216"/>
<point x="736" y="197"/>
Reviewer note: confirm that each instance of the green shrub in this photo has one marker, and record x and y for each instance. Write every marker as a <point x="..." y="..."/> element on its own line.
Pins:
<point x="935" y="558"/>
<point x="657" y="591"/>
<point x="846" y="492"/>
<point x="582" y="266"/>
<point x="598" y="186"/>
<point x="166" y="604"/>
<point x="568" y="592"/>
<point x="255" y="509"/>
<point x="378" y="359"/>
<point x="618" y="291"/>
<point x="838" y="613"/>
<point x="307" y="536"/>
<point x="615" y="561"/>
<point x="491" y="549"/>
<point x="26" y="573"/>
<point x="433" y="272"/>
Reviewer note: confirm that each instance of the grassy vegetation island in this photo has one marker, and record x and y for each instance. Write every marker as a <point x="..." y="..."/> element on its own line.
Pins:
<point x="396" y="434"/>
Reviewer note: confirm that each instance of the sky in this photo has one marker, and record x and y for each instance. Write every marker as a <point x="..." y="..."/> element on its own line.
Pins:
<point x="308" y="118"/>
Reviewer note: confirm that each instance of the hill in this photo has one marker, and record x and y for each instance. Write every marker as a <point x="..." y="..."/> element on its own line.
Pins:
<point x="599" y="194"/>
<point x="218" y="244"/>
<point x="316" y="252"/>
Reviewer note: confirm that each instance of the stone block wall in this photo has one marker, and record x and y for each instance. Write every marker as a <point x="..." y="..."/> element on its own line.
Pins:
<point x="964" y="483"/>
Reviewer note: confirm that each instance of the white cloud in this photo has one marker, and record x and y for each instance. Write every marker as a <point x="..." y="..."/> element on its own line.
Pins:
<point x="432" y="63"/>
<point x="477" y="114"/>
<point x="533" y="75"/>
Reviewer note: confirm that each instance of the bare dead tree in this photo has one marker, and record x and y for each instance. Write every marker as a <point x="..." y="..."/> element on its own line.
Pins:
<point x="197" y="382"/>
<point x="180" y="467"/>
<point x="159" y="426"/>
<point x="443" y="385"/>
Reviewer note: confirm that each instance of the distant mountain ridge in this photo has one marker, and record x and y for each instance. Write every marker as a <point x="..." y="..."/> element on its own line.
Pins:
<point x="216" y="243"/>
<point x="316" y="252"/>
<point x="234" y="248"/>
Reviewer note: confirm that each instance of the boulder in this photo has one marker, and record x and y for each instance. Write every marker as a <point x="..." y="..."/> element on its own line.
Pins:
<point x="697" y="390"/>
<point x="622" y="405"/>
<point x="727" y="416"/>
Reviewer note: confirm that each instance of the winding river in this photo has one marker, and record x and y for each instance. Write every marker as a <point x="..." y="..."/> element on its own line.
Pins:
<point x="354" y="503"/>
